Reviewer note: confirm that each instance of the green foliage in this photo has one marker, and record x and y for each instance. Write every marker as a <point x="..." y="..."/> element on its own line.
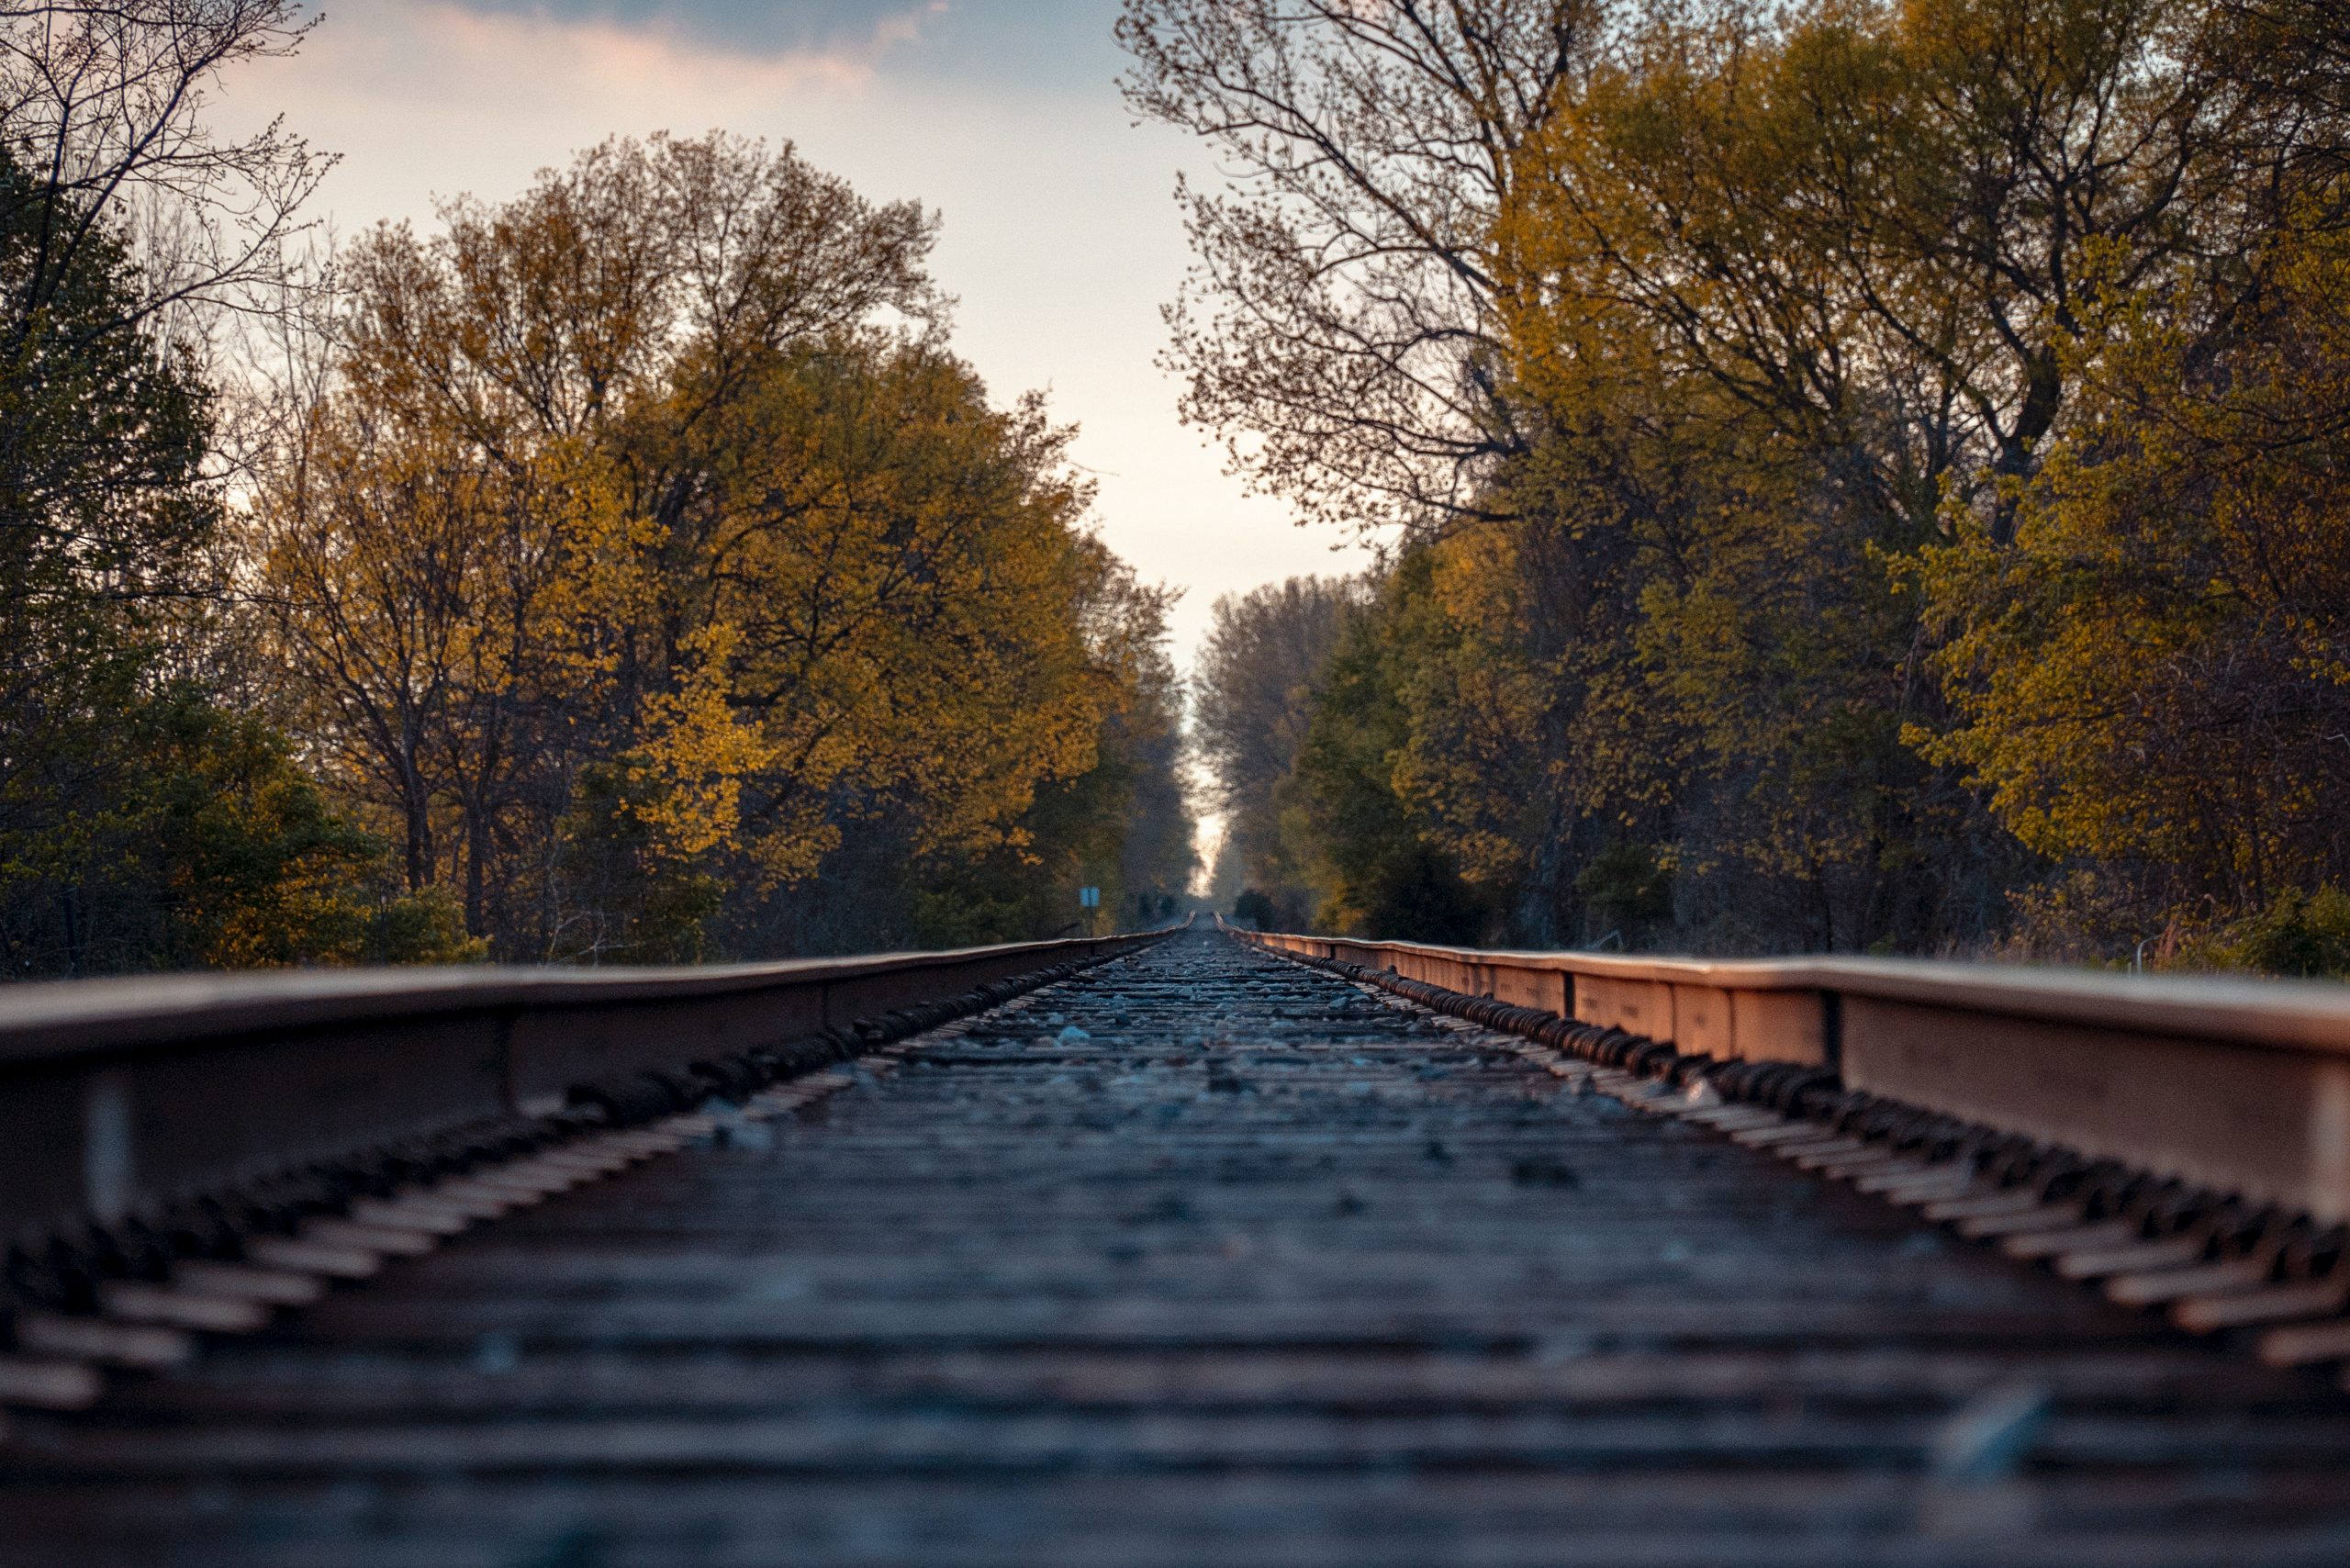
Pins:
<point x="632" y="900"/>
<point x="426" y="927"/>
<point x="1385" y="874"/>
<point x="143" y="824"/>
<point x="2298" y="933"/>
<point x="1624" y="885"/>
<point x="254" y="868"/>
<point x="199" y="842"/>
<point x="103" y="520"/>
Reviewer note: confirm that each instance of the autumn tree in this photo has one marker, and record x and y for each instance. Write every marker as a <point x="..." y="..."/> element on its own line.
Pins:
<point x="1843" y="350"/>
<point x="600" y="573"/>
<point x="2151" y="675"/>
<point x="651" y="567"/>
<point x="1844" y="245"/>
<point x="1123" y="825"/>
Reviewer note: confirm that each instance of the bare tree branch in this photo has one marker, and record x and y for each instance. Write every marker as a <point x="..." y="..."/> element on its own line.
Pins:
<point x="1338" y="329"/>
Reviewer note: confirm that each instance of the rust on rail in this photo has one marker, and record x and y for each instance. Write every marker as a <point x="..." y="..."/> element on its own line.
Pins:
<point x="2243" y="1084"/>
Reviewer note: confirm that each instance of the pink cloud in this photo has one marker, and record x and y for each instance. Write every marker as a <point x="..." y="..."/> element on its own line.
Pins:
<point x="444" y="49"/>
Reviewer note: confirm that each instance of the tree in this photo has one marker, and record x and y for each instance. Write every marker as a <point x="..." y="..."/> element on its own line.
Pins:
<point x="1841" y="247"/>
<point x="482" y="539"/>
<point x="1255" y="909"/>
<point x="1384" y="875"/>
<point x="1340" y="328"/>
<point x="102" y="105"/>
<point x="653" y="571"/>
<point x="1739" y="639"/>
<point x="104" y="511"/>
<point x="2151" y="675"/>
<point x="1122" y="825"/>
<point x="1143" y="736"/>
<point x="1255" y="691"/>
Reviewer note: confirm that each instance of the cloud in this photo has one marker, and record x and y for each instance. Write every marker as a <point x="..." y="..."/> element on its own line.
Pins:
<point x="498" y="65"/>
<point x="851" y="34"/>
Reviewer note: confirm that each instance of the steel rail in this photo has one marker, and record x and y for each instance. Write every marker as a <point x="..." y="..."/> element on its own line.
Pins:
<point x="193" y="1153"/>
<point x="2238" y="1085"/>
<point x="1207" y="1255"/>
<point x="117" y="1095"/>
<point x="2182" y="1145"/>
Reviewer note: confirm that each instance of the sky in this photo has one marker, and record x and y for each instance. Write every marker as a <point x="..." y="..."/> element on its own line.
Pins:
<point x="1060" y="237"/>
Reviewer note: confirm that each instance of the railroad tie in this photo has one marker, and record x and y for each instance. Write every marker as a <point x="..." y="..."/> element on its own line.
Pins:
<point x="1203" y="1255"/>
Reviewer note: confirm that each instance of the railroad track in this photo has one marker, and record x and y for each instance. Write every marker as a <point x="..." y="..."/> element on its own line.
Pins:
<point x="1205" y="1254"/>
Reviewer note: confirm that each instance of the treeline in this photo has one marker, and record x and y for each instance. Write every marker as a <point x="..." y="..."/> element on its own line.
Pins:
<point x="1861" y="476"/>
<point x="624" y="572"/>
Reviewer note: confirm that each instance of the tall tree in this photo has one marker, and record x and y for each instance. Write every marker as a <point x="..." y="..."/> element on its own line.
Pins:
<point x="103" y="104"/>
<point x="1256" y="687"/>
<point x="2153" y="676"/>
<point x="649" y="562"/>
<point x="1859" y="361"/>
<point x="1340" y="329"/>
<point x="143" y="824"/>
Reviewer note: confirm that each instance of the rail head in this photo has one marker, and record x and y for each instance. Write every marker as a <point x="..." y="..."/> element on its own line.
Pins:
<point x="2238" y="1084"/>
<point x="53" y="1020"/>
<point x="2304" y="1015"/>
<point x="120" y="1094"/>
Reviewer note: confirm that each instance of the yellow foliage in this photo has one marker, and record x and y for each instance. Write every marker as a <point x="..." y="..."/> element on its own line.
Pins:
<point x="2157" y="671"/>
<point x="615" y="482"/>
<point x="699" y="751"/>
